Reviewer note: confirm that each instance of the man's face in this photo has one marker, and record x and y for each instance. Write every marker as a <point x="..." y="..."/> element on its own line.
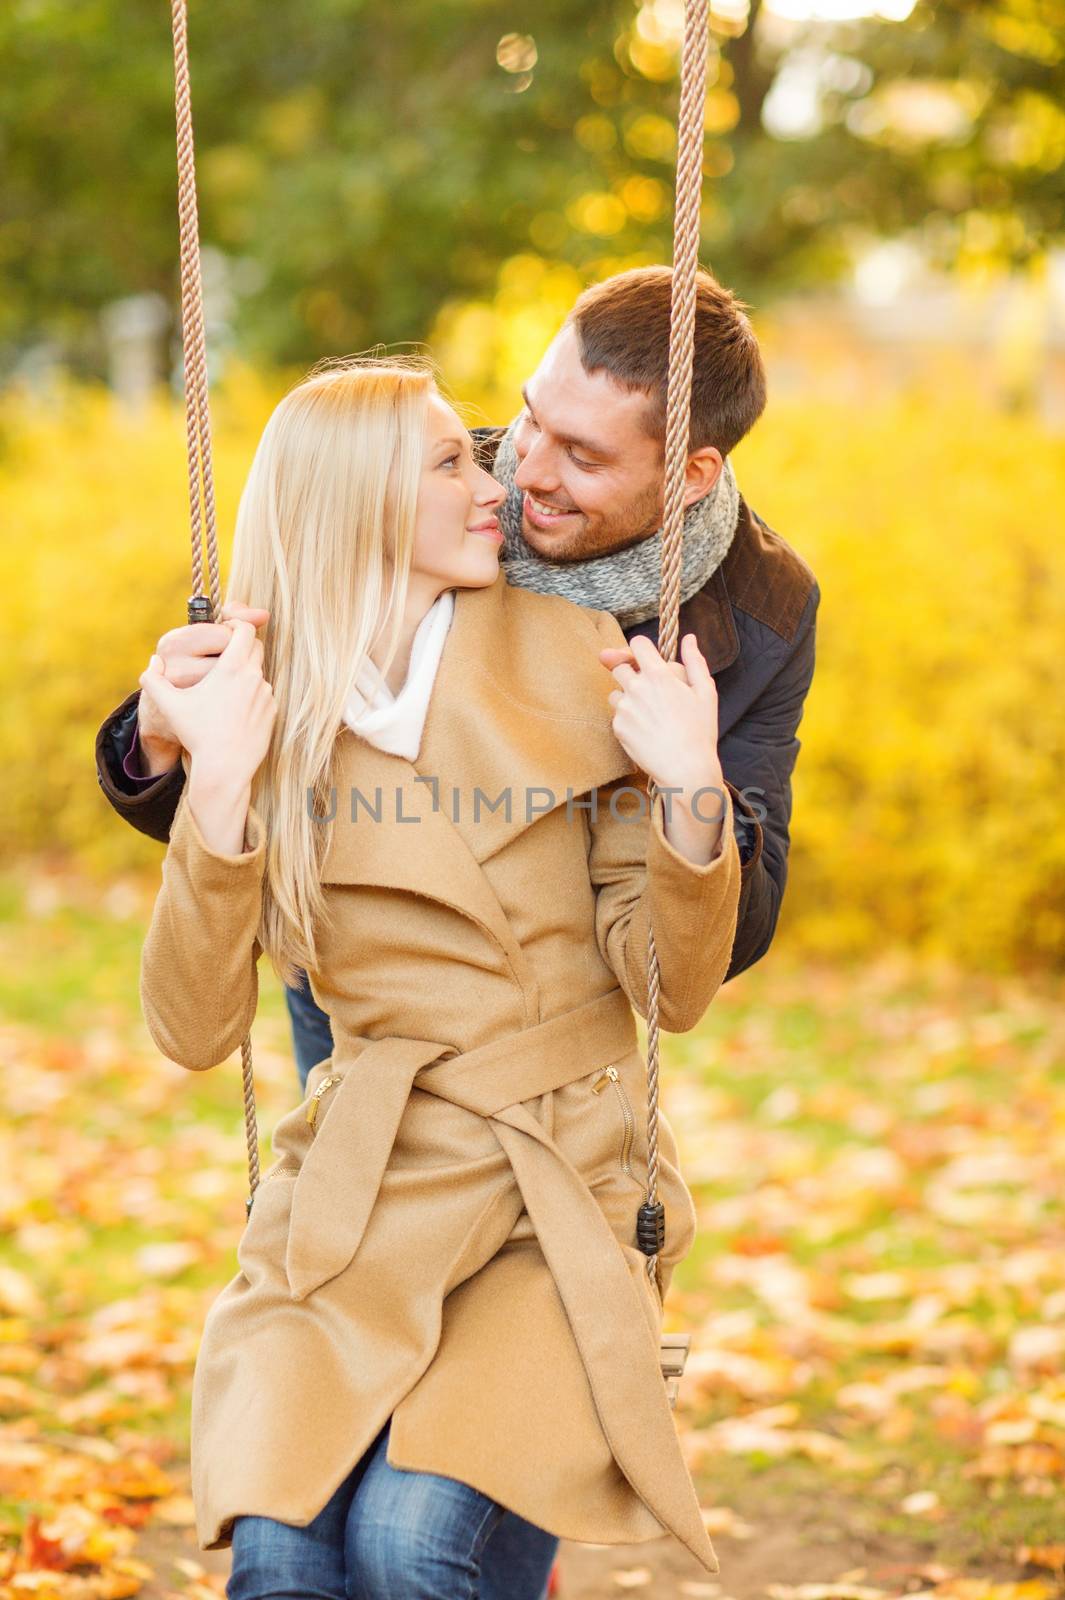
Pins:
<point x="590" y="473"/>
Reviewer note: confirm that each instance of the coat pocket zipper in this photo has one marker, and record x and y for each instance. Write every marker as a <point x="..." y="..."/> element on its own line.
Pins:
<point x="283" y="1169"/>
<point x="316" y="1097"/>
<point x="611" y="1075"/>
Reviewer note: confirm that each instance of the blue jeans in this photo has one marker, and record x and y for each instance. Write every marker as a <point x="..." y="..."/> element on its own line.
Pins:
<point x="312" y="1036"/>
<point x="389" y="1534"/>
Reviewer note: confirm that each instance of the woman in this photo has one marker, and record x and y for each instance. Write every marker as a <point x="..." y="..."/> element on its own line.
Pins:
<point x="440" y="1310"/>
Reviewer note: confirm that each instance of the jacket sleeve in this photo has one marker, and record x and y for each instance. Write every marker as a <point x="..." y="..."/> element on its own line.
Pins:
<point x="199" y="984"/>
<point x="758" y="756"/>
<point x="641" y="881"/>
<point x="148" y="807"/>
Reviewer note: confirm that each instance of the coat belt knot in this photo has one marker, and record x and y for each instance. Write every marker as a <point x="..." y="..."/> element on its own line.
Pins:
<point x="492" y="1081"/>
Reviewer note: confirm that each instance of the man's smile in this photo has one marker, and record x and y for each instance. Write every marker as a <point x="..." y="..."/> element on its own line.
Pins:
<point x="542" y="515"/>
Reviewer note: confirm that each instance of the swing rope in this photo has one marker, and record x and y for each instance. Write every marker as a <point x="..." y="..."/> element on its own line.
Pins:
<point x="205" y="607"/>
<point x="201" y="607"/>
<point x="651" y="1221"/>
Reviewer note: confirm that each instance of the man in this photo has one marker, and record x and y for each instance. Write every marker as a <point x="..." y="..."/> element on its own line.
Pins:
<point x="583" y="465"/>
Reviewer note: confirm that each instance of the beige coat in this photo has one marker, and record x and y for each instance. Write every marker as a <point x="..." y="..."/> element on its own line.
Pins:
<point x="451" y="1242"/>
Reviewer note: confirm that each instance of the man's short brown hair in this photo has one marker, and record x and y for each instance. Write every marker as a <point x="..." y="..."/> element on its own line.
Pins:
<point x="622" y="327"/>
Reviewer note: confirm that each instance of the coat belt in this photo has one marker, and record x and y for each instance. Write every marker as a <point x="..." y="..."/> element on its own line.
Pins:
<point x="613" y="1321"/>
<point x="360" y="1128"/>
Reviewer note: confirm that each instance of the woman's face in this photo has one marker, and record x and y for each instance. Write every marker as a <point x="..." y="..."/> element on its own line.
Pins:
<point x="456" y="538"/>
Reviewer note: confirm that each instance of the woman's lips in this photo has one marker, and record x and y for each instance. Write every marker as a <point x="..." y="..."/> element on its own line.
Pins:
<point x="489" y="530"/>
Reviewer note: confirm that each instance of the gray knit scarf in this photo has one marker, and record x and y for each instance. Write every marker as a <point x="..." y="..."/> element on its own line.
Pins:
<point x="628" y="582"/>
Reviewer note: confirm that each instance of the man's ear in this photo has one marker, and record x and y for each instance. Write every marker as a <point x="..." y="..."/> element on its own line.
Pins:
<point x="702" y="472"/>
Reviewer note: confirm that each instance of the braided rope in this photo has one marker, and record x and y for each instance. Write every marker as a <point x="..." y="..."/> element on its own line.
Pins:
<point x="686" y="218"/>
<point x="198" y="434"/>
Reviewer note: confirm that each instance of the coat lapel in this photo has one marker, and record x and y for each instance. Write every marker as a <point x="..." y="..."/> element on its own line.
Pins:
<point x="387" y="833"/>
<point x="518" y="713"/>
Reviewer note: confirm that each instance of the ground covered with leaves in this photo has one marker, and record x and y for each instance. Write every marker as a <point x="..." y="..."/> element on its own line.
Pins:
<point x="875" y="1400"/>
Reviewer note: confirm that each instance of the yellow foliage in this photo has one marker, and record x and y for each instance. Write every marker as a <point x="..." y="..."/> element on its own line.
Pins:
<point x="928" y="792"/>
<point x="927" y="796"/>
<point x="98" y="566"/>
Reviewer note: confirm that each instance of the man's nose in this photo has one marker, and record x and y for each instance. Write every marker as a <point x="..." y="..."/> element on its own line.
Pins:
<point x="534" y="470"/>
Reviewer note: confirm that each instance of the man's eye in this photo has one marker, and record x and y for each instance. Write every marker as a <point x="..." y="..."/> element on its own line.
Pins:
<point x="527" y="417"/>
<point x="588" y="466"/>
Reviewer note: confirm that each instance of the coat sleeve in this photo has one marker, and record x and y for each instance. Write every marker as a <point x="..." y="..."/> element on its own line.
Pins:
<point x="199" y="983"/>
<point x="641" y="881"/>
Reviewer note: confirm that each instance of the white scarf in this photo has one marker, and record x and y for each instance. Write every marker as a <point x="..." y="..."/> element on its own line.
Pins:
<point x="395" y="722"/>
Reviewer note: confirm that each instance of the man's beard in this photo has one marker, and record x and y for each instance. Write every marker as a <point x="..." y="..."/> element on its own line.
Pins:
<point x="603" y="536"/>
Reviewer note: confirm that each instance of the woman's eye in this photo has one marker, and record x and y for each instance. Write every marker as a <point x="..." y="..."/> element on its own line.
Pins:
<point x="450" y="461"/>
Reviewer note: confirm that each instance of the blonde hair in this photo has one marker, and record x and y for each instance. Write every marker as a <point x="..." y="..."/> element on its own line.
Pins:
<point x="328" y="507"/>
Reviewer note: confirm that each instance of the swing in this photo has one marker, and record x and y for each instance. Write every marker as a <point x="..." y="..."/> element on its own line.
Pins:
<point x="205" y="607"/>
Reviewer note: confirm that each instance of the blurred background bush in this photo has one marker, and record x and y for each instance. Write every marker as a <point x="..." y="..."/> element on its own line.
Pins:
<point x="884" y="185"/>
